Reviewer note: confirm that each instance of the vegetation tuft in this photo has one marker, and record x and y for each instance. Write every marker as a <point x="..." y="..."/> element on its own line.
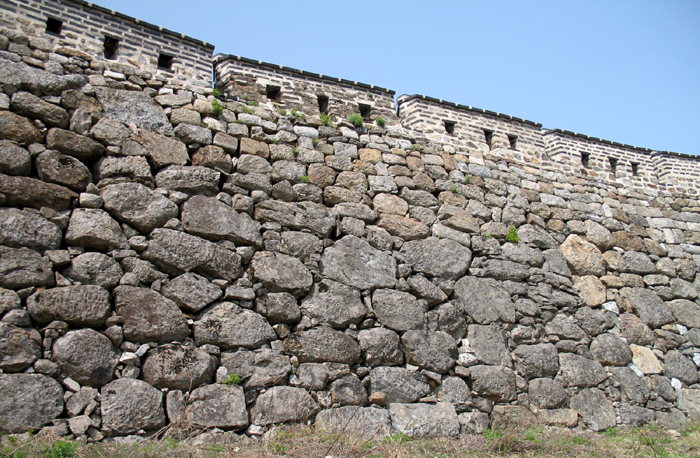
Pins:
<point x="512" y="235"/>
<point x="356" y="120"/>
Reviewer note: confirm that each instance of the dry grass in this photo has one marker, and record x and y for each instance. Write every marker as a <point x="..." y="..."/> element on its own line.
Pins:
<point x="299" y="441"/>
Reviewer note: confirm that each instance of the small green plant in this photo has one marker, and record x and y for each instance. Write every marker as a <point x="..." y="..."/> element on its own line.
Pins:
<point x="283" y="112"/>
<point x="232" y="379"/>
<point x="276" y="141"/>
<point x="415" y="147"/>
<point x="512" y="235"/>
<point x="380" y="121"/>
<point x="245" y="109"/>
<point x="217" y="108"/>
<point x="305" y="179"/>
<point x="298" y="115"/>
<point x="314" y="141"/>
<point x="295" y="151"/>
<point x="356" y="120"/>
<point x="579" y="440"/>
<point x="492" y="433"/>
<point x="238" y="121"/>
<point x="325" y="119"/>
<point x="253" y="103"/>
<point x="278" y="448"/>
<point x="201" y="124"/>
<point x="466" y="179"/>
<point x="398" y="438"/>
<point x="488" y="235"/>
<point x="60" y="449"/>
<point x="454" y="189"/>
<point x="216" y="93"/>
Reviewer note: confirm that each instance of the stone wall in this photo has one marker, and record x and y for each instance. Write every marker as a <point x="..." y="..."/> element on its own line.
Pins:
<point x="164" y="254"/>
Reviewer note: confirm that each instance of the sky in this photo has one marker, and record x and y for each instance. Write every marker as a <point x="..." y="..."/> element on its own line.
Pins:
<point x="621" y="70"/>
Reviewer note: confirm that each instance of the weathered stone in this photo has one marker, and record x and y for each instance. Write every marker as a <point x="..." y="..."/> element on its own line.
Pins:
<point x="455" y="390"/>
<point x="20" y="228"/>
<point x="161" y="150"/>
<point x="19" y="347"/>
<point x="579" y="371"/>
<point x="178" y="367"/>
<point x="29" y="401"/>
<point x="473" y="422"/>
<point x="596" y="412"/>
<point x="638" y="263"/>
<point x="435" y="351"/>
<point x="54" y="167"/>
<point x="406" y="228"/>
<point x="323" y="344"/>
<point x="398" y="310"/>
<point x="213" y="157"/>
<point x="282" y="404"/>
<point x="148" y="316"/>
<point x="594" y="321"/>
<point x="381" y="347"/>
<point x="22" y="268"/>
<point x="583" y="257"/>
<point x="645" y="360"/>
<point x="348" y="390"/>
<point x="610" y="350"/>
<point x="133" y="107"/>
<point x="449" y="319"/>
<point x="300" y="215"/>
<point x="494" y="382"/>
<point x="191" y="291"/>
<point x="80" y="147"/>
<point x="9" y="300"/>
<point x="83" y="305"/>
<point x="631" y="385"/>
<point x="176" y="253"/>
<point x="358" y="425"/>
<point x="14" y="160"/>
<point x="508" y="417"/>
<point x="28" y="192"/>
<point x="86" y="356"/>
<point x="112" y="169"/>
<point x="18" y="129"/>
<point x="229" y="326"/>
<point x="94" y="229"/>
<point x="281" y="273"/>
<point x="278" y="308"/>
<point x="591" y="289"/>
<point x="634" y="330"/>
<point x="334" y="303"/>
<point x="686" y="312"/>
<point x="489" y="345"/>
<point x="564" y="327"/>
<point x="692" y="404"/>
<point x="129" y="405"/>
<point x="424" y="289"/>
<point x="31" y="106"/>
<point x="37" y="81"/>
<point x="398" y="384"/>
<point x="138" y="206"/>
<point x="546" y="393"/>
<point x="258" y="368"/>
<point x="213" y="220"/>
<point x="535" y="361"/>
<point x="110" y="132"/>
<point x="678" y="366"/>
<point x="484" y="300"/>
<point x="94" y="269"/>
<point x="354" y="262"/>
<point x="217" y="406"/>
<point x="444" y="258"/>
<point x="424" y="420"/>
<point x="189" y="179"/>
<point x="647" y="305"/>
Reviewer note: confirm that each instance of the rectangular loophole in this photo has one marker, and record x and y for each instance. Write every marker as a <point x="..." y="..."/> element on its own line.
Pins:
<point x="111" y="47"/>
<point x="165" y="61"/>
<point x="613" y="164"/>
<point x="365" y="110"/>
<point x="513" y="140"/>
<point x="585" y="159"/>
<point x="274" y="93"/>
<point x="322" y="103"/>
<point x="450" y="127"/>
<point x="488" y="136"/>
<point x="635" y="168"/>
<point x="54" y="25"/>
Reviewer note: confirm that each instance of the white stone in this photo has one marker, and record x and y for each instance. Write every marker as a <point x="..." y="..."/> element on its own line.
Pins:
<point x="129" y="358"/>
<point x="612" y="307"/>
<point x="114" y="75"/>
<point x="636" y="370"/>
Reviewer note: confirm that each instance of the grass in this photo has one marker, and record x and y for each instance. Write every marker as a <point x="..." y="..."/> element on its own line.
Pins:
<point x="305" y="179"/>
<point x="298" y="115"/>
<point x="232" y="379"/>
<point x="380" y="121"/>
<point x="356" y="120"/>
<point x="217" y="108"/>
<point x="512" y="235"/>
<point x="301" y="441"/>
<point x="325" y="119"/>
<point x="314" y="141"/>
<point x="415" y="147"/>
<point x="245" y="109"/>
<point x="216" y="93"/>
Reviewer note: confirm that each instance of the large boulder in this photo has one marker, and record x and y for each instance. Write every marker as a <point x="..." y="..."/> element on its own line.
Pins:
<point x="399" y="310"/>
<point x="28" y="401"/>
<point x="399" y="384"/>
<point x="278" y="308"/>
<point x="258" y="368"/>
<point x="360" y="425"/>
<point x="424" y="420"/>
<point x="133" y="107"/>
<point x="494" y="382"/>
<point x="30" y="192"/>
<point x="354" y="262"/>
<point x="138" y="206"/>
<point x="334" y="303"/>
<point x="94" y="269"/>
<point x="229" y="326"/>
<point x="19" y="347"/>
<point x="191" y="180"/>
<point x="596" y="412"/>
<point x="299" y="215"/>
<point x="647" y="305"/>
<point x="443" y="258"/>
<point x="323" y="344"/>
<point x="178" y="367"/>
<point x="381" y="347"/>
<point x="579" y="371"/>
<point x="434" y="351"/>
<point x="484" y="300"/>
<point x="79" y="146"/>
<point x="191" y="292"/>
<point x="18" y="129"/>
<point x="86" y="356"/>
<point x="535" y="361"/>
<point x="348" y="390"/>
<point x="148" y="316"/>
<point x="546" y="393"/>
<point x="403" y="227"/>
<point x="583" y="257"/>
<point x="22" y="268"/>
<point x="20" y="228"/>
<point x="31" y="106"/>
<point x="64" y="170"/>
<point x="217" y="406"/>
<point x="37" y="81"/>
<point x="678" y="366"/>
<point x="129" y="405"/>
<point x="94" y="229"/>
<point x="80" y="305"/>
<point x="14" y="160"/>
<point x="686" y="312"/>
<point x="489" y="345"/>
<point x="283" y="404"/>
<point x="610" y="350"/>
<point x="162" y="150"/>
<point x="281" y="273"/>
<point x="213" y="220"/>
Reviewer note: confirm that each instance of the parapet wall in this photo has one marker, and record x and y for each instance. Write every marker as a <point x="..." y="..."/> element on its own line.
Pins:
<point x="174" y="263"/>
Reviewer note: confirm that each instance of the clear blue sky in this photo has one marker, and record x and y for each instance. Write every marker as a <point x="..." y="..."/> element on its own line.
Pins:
<point x="623" y="70"/>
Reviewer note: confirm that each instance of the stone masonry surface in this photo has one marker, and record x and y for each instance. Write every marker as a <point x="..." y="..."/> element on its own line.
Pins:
<point x="229" y="260"/>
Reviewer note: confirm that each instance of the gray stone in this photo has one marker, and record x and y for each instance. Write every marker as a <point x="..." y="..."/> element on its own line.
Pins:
<point x="398" y="310"/>
<point x="678" y="366"/>
<point x="190" y="180"/>
<point x="248" y="163"/>
<point x="596" y="412"/>
<point x="435" y="351"/>
<point x="300" y="244"/>
<point x="489" y="345"/>
<point x="281" y="273"/>
<point x="632" y="386"/>
<point x="348" y="390"/>
<point x="594" y="321"/>
<point x="405" y="228"/>
<point x="193" y="134"/>
<point x="178" y="367"/>
<point x="148" y="316"/>
<point x="313" y="376"/>
<point x="129" y="405"/>
<point x="473" y="422"/>
<point x="14" y="160"/>
<point x="508" y="417"/>
<point x="112" y="169"/>
<point x="31" y="106"/>
<point x="647" y="305"/>
<point x="583" y="257"/>
<point x="359" y="425"/>
<point x="227" y="326"/>
<point x="22" y="268"/>
<point x="283" y="404"/>
<point x="95" y="229"/>
<point x="484" y="300"/>
<point x="110" y="132"/>
<point x="34" y="80"/>
<point x="546" y="393"/>
<point x="455" y="390"/>
<point x="80" y="400"/>
<point x="686" y="312"/>
<point x="381" y="347"/>
<point x="299" y="215"/>
<point x="176" y="253"/>
<point x="18" y="129"/>
<point x="161" y="150"/>
<point x="28" y="192"/>
<point x="610" y="350"/>
<point x="398" y="384"/>
<point x="334" y="303"/>
<point x="673" y="419"/>
<point x="448" y="318"/>
<point x="424" y="420"/>
<point x="638" y="263"/>
<point x="54" y="167"/>
<point x="278" y="308"/>
<point x="258" y="368"/>
<point x="191" y="291"/>
<point x="217" y="406"/>
<point x="424" y="289"/>
<point x="94" y="269"/>
<point x="323" y="344"/>
<point x="29" y="401"/>
<point x="19" y="347"/>
<point x="9" y="300"/>
<point x="444" y="258"/>
<point x="494" y="382"/>
<point x="78" y="146"/>
<point x="354" y="262"/>
<point x="564" y="327"/>
<point x="634" y="330"/>
<point x="138" y="206"/>
<point x="535" y="361"/>
<point x="82" y="305"/>
<point x="213" y="157"/>
<point x="635" y="416"/>
<point x="20" y="228"/>
<point x="213" y="220"/>
<point x="133" y="107"/>
<point x="579" y="371"/>
<point x="86" y="356"/>
<point x="692" y="404"/>
<point x="79" y="425"/>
